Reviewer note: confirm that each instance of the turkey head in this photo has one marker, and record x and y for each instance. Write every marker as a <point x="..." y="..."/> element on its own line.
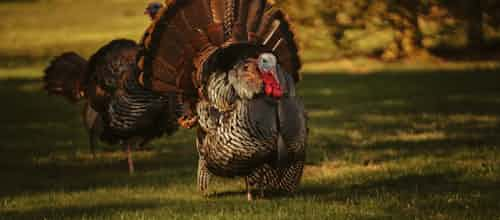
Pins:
<point x="254" y="76"/>
<point x="268" y="68"/>
<point x="153" y="9"/>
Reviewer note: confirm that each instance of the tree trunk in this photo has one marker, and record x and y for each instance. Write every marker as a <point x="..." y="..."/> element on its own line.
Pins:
<point x="475" y="24"/>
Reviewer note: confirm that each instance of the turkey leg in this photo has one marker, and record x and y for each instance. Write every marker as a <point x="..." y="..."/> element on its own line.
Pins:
<point x="249" y="190"/>
<point x="130" y="161"/>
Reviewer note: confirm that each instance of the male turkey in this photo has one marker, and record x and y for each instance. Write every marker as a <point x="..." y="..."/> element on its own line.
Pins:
<point x="116" y="109"/>
<point x="153" y="9"/>
<point x="235" y="62"/>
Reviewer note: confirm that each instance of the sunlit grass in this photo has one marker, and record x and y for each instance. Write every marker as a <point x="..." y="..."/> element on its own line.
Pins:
<point x="370" y="66"/>
<point x="34" y="32"/>
<point x="28" y="72"/>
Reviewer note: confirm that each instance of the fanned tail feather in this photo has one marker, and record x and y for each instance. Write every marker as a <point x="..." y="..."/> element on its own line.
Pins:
<point x="190" y="34"/>
<point x="65" y="75"/>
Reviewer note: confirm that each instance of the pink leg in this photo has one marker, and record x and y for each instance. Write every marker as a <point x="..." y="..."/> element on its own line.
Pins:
<point x="130" y="161"/>
<point x="249" y="190"/>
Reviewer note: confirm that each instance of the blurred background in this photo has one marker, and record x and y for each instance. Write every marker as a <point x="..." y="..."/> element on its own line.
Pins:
<point x="403" y="99"/>
<point x="358" y="34"/>
<point x="392" y="30"/>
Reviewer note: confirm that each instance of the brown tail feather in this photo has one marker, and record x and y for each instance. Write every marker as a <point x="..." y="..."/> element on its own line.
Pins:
<point x="186" y="35"/>
<point x="64" y="76"/>
<point x="276" y="34"/>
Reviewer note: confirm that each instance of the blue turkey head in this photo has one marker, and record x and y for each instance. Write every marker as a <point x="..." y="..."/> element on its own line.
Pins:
<point x="153" y="9"/>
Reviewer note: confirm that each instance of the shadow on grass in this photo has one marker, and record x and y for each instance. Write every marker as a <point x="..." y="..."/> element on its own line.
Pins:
<point x="420" y="112"/>
<point x="18" y="1"/>
<point x="100" y="210"/>
<point x="415" y="195"/>
<point x="268" y="195"/>
<point x="417" y="185"/>
<point x="44" y="148"/>
<point x="12" y="61"/>
<point x="352" y="117"/>
<point x="131" y="209"/>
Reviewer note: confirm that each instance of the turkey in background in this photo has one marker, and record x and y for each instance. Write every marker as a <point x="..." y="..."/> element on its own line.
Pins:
<point x="117" y="109"/>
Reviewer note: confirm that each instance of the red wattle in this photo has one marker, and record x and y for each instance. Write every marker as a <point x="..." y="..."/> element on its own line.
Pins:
<point x="268" y="89"/>
<point x="271" y="86"/>
<point x="277" y="93"/>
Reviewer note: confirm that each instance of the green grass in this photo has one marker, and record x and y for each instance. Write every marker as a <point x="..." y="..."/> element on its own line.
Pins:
<point x="385" y="143"/>
<point x="403" y="146"/>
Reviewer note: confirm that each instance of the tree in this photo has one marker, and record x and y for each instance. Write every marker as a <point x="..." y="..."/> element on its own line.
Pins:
<point x="394" y="29"/>
<point x="475" y="24"/>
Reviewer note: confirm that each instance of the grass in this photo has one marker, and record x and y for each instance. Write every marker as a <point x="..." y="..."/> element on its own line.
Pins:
<point x="385" y="143"/>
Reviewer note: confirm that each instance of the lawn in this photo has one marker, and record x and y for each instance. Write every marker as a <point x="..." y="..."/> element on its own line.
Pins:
<point x="393" y="143"/>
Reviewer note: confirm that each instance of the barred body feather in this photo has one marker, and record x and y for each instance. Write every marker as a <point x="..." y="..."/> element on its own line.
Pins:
<point x="117" y="110"/>
<point x="242" y="141"/>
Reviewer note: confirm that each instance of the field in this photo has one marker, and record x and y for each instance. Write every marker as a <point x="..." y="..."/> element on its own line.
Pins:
<point x="408" y="141"/>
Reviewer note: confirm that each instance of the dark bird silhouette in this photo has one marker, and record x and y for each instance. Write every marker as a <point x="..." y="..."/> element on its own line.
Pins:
<point x="235" y="64"/>
<point x="117" y="109"/>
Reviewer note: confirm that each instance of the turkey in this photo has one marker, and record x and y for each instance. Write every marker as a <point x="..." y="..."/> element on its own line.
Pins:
<point x="153" y="9"/>
<point x="235" y="64"/>
<point x="117" y="110"/>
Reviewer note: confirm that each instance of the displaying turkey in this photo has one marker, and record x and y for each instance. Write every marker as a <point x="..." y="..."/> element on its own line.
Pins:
<point x="117" y="109"/>
<point x="235" y="62"/>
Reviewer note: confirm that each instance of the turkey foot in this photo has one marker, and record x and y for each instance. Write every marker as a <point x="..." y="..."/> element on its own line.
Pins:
<point x="249" y="191"/>
<point x="187" y="121"/>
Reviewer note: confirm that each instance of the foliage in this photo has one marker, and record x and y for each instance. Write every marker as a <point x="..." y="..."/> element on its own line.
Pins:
<point x="393" y="29"/>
